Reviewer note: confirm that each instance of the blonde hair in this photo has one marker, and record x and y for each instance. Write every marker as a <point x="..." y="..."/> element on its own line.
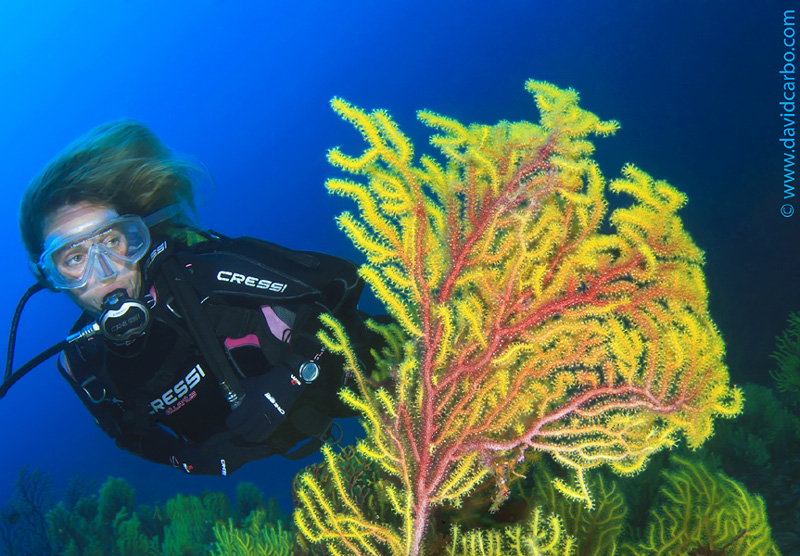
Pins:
<point x="120" y="164"/>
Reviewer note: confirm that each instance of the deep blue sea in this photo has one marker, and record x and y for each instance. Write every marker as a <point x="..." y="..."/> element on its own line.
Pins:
<point x="244" y="86"/>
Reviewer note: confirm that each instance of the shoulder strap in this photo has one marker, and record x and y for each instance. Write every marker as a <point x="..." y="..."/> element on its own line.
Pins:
<point x="267" y="273"/>
<point x="178" y="283"/>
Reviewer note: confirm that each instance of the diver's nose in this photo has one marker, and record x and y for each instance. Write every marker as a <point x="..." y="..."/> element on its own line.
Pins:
<point x="103" y="268"/>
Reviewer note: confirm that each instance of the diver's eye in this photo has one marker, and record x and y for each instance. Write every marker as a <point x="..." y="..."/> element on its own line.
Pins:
<point x="72" y="262"/>
<point x="115" y="241"/>
<point x="111" y="241"/>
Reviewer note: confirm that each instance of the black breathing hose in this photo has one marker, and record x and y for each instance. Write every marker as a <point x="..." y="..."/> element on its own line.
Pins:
<point x="122" y="318"/>
<point x="12" y="334"/>
<point x="9" y="377"/>
<point x="22" y="371"/>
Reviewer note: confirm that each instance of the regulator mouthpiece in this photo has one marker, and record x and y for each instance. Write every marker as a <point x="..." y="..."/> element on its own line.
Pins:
<point x="123" y="318"/>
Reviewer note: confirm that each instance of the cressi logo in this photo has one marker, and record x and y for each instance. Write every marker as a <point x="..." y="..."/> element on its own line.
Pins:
<point x="250" y="281"/>
<point x="178" y="394"/>
<point x="156" y="252"/>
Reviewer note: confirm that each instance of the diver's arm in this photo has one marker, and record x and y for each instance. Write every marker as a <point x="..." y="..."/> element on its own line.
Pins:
<point x="150" y="442"/>
<point x="157" y="445"/>
<point x="217" y="455"/>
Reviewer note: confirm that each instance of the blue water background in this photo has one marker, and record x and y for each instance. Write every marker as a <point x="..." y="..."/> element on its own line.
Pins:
<point x="244" y="87"/>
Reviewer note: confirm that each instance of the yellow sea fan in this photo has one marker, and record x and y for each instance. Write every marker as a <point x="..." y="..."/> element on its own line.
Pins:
<point x="523" y="321"/>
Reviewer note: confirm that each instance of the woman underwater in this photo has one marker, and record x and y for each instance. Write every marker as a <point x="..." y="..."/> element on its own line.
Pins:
<point x="196" y="350"/>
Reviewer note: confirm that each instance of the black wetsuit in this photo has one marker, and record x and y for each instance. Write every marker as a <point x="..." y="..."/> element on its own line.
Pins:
<point x="158" y="396"/>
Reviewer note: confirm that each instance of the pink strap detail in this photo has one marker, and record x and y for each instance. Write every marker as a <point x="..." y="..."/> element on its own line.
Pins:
<point x="278" y="328"/>
<point x="249" y="340"/>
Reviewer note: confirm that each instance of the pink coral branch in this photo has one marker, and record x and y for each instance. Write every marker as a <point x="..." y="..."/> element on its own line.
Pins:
<point x="637" y="398"/>
<point x="487" y="212"/>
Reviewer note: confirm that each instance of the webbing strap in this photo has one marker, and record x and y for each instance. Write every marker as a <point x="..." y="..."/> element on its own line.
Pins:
<point x="235" y="322"/>
<point x="200" y="330"/>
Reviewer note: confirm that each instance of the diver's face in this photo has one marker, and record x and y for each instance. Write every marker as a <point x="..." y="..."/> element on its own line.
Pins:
<point x="74" y="219"/>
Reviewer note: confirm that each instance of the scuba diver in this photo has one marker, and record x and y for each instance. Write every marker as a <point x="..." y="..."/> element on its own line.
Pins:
<point x="193" y="350"/>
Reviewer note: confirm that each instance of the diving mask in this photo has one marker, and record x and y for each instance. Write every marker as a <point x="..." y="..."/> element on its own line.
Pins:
<point x="69" y="261"/>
